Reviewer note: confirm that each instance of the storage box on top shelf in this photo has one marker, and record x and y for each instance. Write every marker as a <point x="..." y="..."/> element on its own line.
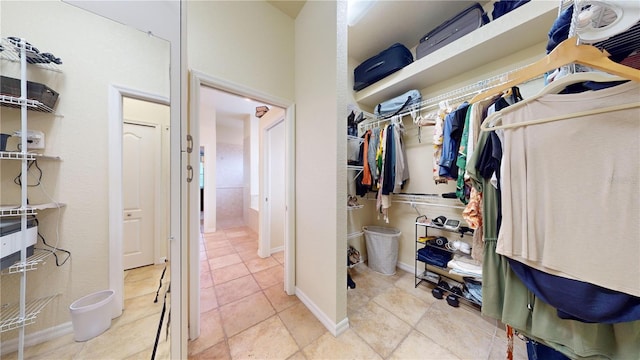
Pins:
<point x="35" y="91"/>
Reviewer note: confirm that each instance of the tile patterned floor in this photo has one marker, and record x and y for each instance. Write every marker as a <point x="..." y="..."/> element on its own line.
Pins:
<point x="245" y="314"/>
<point x="131" y="336"/>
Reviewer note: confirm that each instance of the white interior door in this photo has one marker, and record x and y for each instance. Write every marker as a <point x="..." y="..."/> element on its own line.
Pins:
<point x="276" y="185"/>
<point x="140" y="169"/>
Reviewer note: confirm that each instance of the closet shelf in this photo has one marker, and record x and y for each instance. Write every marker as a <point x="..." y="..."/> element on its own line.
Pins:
<point x="31" y="263"/>
<point x="355" y="234"/>
<point x="466" y="301"/>
<point x="11" y="52"/>
<point x="17" y="155"/>
<point x="518" y="30"/>
<point x="10" y="318"/>
<point x="33" y="105"/>
<point x="16" y="210"/>
<point x="357" y="168"/>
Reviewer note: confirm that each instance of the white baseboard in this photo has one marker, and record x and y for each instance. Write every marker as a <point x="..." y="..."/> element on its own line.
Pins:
<point x="37" y="337"/>
<point x="278" y="249"/>
<point x="408" y="268"/>
<point x="335" y="329"/>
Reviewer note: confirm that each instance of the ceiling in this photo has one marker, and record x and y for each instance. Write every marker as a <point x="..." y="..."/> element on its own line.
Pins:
<point x="389" y="21"/>
<point x="231" y="109"/>
<point x="291" y="8"/>
<point x="385" y="23"/>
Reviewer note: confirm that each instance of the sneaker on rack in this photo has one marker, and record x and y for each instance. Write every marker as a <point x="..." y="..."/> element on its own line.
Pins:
<point x="354" y="255"/>
<point x="352" y="201"/>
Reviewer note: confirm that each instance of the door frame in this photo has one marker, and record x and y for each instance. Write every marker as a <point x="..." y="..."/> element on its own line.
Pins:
<point x="264" y="246"/>
<point x="114" y="131"/>
<point x="196" y="80"/>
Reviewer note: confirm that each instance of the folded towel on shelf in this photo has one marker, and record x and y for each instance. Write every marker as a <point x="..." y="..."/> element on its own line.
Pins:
<point x="461" y="266"/>
<point x="463" y="258"/>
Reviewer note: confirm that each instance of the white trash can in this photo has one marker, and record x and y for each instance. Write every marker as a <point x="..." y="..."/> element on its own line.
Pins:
<point x="91" y="314"/>
<point x="382" y="248"/>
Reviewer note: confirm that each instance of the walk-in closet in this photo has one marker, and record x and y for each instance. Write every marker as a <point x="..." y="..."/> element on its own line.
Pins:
<point x="508" y="176"/>
<point x="460" y="179"/>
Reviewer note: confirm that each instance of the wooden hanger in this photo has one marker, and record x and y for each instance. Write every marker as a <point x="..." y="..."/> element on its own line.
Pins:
<point x="489" y="124"/>
<point x="565" y="53"/>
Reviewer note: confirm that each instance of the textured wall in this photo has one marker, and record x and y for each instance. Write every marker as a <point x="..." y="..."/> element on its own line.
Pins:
<point x="96" y="53"/>
<point x="229" y="183"/>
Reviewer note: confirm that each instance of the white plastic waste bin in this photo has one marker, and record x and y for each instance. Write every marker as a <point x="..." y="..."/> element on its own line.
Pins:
<point x="382" y="248"/>
<point x="91" y="314"/>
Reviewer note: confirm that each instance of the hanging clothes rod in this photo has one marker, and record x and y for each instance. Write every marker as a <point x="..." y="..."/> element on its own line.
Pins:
<point x="364" y="126"/>
<point x="423" y="200"/>
<point x="457" y="95"/>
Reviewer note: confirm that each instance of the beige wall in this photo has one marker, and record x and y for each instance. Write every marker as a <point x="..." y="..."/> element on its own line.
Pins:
<point x="229" y="134"/>
<point x="229" y="171"/>
<point x="259" y="57"/>
<point x="321" y="83"/>
<point x="208" y="140"/>
<point x="249" y="43"/>
<point x="96" y="53"/>
<point x="250" y="144"/>
<point x="229" y="178"/>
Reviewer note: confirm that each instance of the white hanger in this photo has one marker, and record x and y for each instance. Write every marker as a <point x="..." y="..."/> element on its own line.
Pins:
<point x="575" y="78"/>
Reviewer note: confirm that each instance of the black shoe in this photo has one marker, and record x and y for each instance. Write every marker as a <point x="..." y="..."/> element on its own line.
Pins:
<point x="350" y="283"/>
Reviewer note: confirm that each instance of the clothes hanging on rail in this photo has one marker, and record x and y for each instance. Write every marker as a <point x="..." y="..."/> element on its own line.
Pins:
<point x="549" y="172"/>
<point x="475" y="115"/>
<point x="551" y="169"/>
<point x="366" y="170"/>
<point x="453" y="126"/>
<point x="578" y="300"/>
<point x="401" y="166"/>
<point x="438" y="139"/>
<point x="463" y="190"/>
<point x="390" y="165"/>
<point x="374" y="140"/>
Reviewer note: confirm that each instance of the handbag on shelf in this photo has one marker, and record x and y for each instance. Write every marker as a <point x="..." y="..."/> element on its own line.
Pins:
<point x="398" y="104"/>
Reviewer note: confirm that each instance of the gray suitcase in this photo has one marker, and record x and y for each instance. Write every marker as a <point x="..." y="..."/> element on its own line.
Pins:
<point x="460" y="25"/>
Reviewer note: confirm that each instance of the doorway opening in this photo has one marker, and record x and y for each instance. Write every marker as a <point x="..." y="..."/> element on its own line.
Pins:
<point x="233" y="204"/>
<point x="118" y="96"/>
<point x="145" y="148"/>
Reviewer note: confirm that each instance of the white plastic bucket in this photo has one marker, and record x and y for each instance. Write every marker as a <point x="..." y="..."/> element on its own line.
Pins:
<point x="91" y="314"/>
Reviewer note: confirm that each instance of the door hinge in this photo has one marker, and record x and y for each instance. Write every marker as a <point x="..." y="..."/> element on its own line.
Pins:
<point x="189" y="144"/>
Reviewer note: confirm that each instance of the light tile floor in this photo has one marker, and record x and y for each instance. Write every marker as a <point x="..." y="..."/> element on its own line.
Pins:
<point x="131" y="335"/>
<point x="245" y="314"/>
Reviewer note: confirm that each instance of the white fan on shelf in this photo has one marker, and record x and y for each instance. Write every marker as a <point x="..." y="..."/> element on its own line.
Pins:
<point x="601" y="19"/>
